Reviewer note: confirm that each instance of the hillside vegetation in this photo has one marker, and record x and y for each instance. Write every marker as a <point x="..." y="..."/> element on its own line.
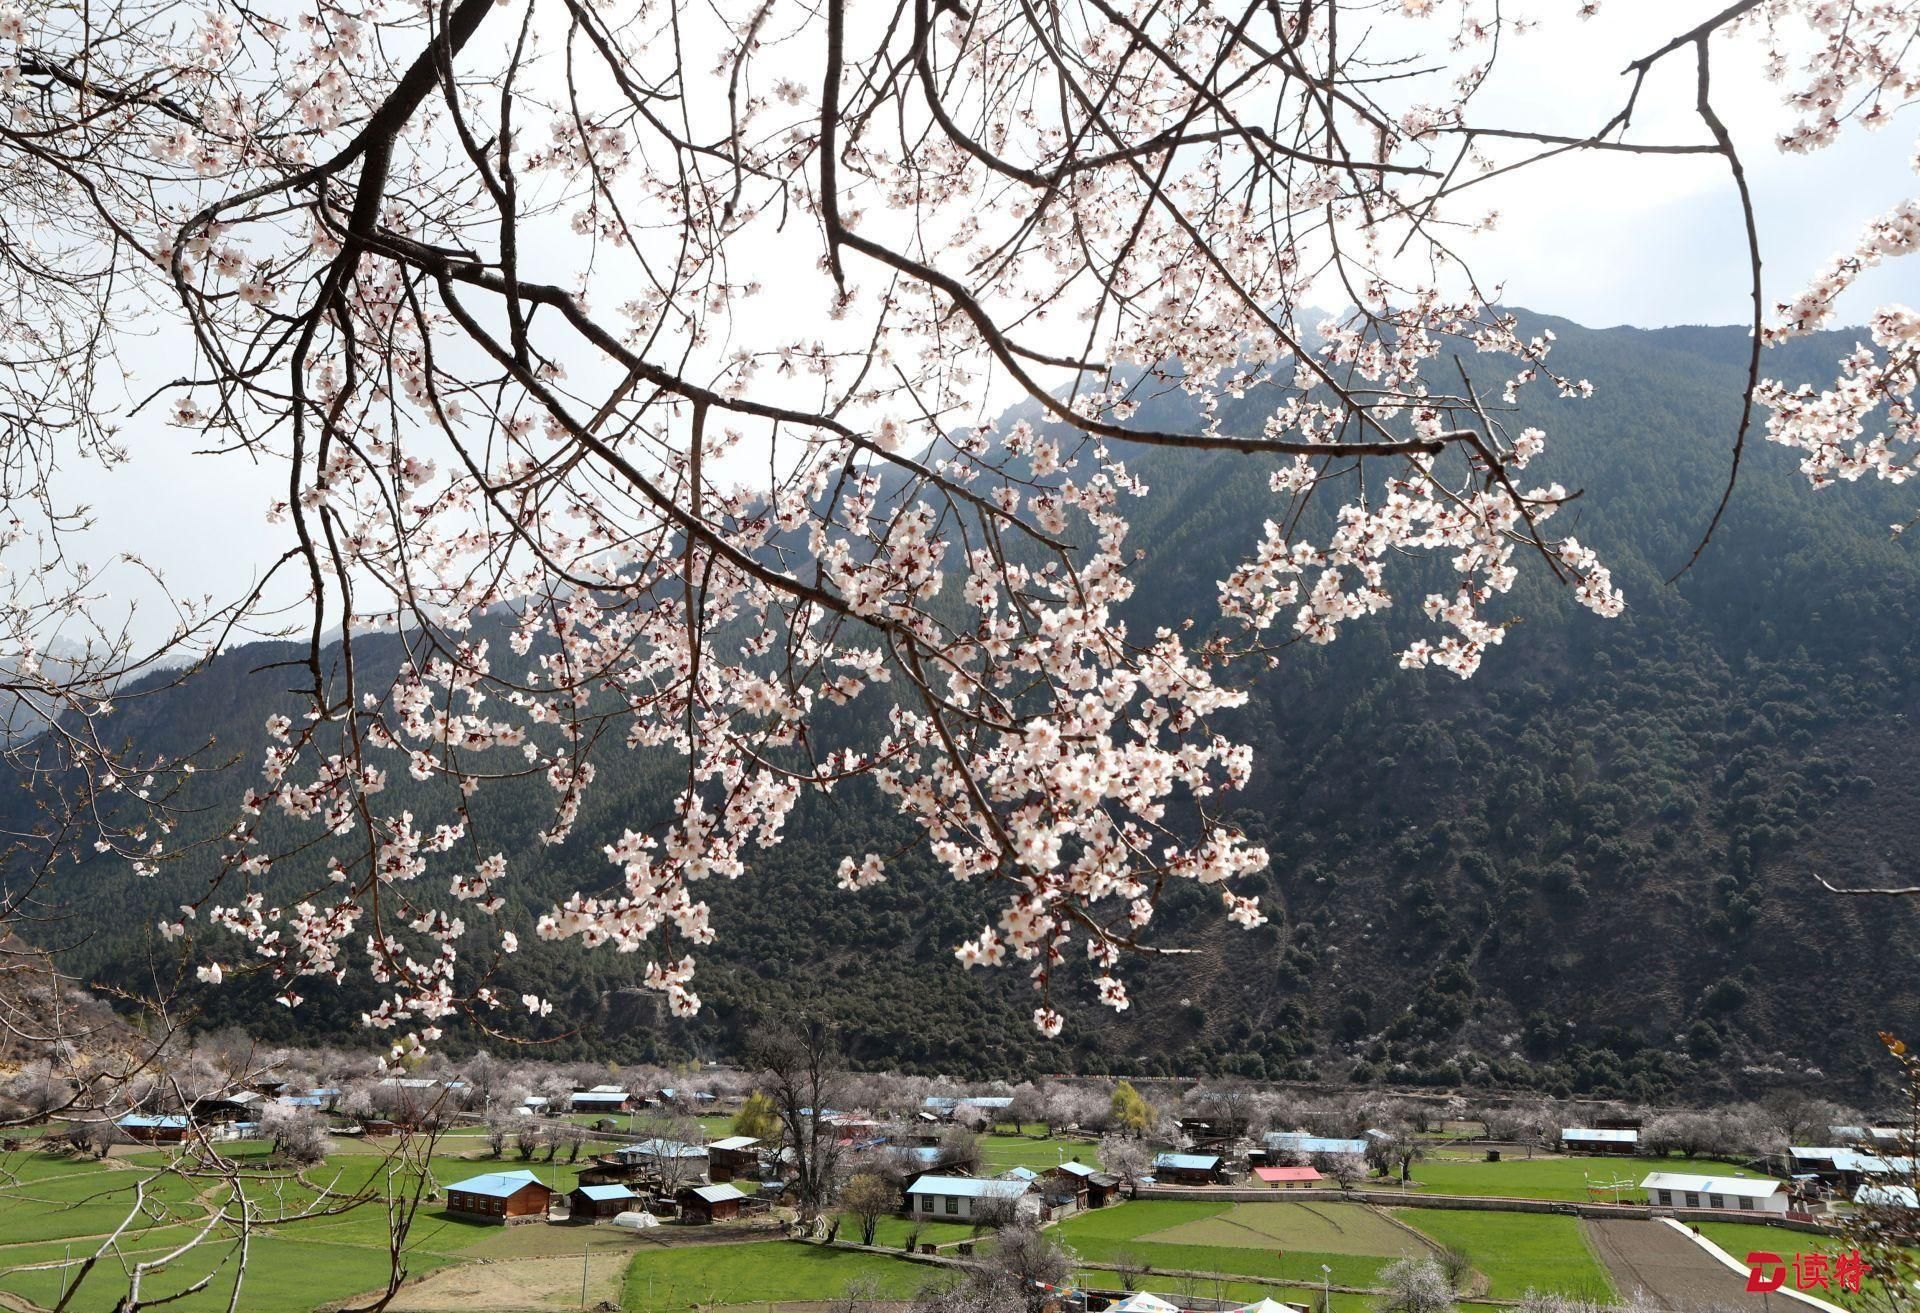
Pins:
<point x="1588" y="869"/>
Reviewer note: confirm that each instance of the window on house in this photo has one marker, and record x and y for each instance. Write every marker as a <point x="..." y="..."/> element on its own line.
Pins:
<point x="953" y="1204"/>
<point x="1666" y="1197"/>
<point x="926" y="1203"/>
<point x="1693" y="1200"/>
<point x="1746" y="1202"/>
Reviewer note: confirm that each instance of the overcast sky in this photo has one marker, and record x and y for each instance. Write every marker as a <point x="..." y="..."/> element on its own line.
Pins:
<point x="1600" y="239"/>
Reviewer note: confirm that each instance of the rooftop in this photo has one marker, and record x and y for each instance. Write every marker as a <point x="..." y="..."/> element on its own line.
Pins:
<point x="1301" y="1142"/>
<point x="496" y="1185"/>
<point x="968" y="1187"/>
<point x="1752" y="1187"/>
<point x="716" y="1194"/>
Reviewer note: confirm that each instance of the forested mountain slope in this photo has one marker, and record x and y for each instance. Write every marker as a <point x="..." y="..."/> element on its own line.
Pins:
<point x="1589" y="868"/>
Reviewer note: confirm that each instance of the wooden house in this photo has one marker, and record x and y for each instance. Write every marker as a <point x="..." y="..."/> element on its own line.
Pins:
<point x="1093" y="1188"/>
<point x="709" y="1203"/>
<point x="737" y="1155"/>
<point x="500" y="1197"/>
<point x="1188" y="1168"/>
<point x="596" y="1203"/>
<point x="155" y="1130"/>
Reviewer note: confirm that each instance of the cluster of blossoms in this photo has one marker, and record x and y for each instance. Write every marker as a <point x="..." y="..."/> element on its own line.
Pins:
<point x="1861" y="66"/>
<point x="754" y="488"/>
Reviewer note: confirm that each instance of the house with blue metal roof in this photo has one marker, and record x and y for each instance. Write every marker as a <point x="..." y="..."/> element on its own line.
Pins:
<point x="154" y="1130"/>
<point x="710" y="1203"/>
<point x="692" y="1156"/>
<point x="598" y="1202"/>
<point x="1599" y="1139"/>
<point x="500" y="1197"/>
<point x="967" y="1198"/>
<point x="1299" y="1142"/>
<point x="1188" y="1168"/>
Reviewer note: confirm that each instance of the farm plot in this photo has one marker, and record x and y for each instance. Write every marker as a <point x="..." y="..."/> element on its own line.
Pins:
<point x="679" y="1280"/>
<point x="1268" y="1240"/>
<point x="1329" y="1228"/>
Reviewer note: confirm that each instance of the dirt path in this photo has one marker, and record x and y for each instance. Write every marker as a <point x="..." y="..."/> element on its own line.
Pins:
<point x="1673" y="1271"/>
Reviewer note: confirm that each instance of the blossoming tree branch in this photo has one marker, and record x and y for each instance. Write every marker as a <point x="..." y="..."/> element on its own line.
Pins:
<point x="670" y="337"/>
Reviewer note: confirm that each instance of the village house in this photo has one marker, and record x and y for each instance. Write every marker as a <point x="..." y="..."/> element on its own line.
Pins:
<point x="155" y="1130"/>
<point x="667" y="1156"/>
<point x="1886" y="1196"/>
<point x="737" y="1155"/>
<point x="1287" y="1178"/>
<point x="1093" y="1188"/>
<point x="500" y="1197"/>
<point x="1599" y="1139"/>
<point x="233" y="1106"/>
<point x="1748" y="1194"/>
<point x="1854" y="1169"/>
<point x="1814" y="1160"/>
<point x="594" y="1203"/>
<point x="1282" y="1146"/>
<point x="966" y="1198"/>
<point x="1188" y="1168"/>
<point x="601" y="1098"/>
<point x="710" y="1203"/>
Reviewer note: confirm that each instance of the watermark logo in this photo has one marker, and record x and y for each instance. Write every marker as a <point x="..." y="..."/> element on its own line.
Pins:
<point x="1768" y="1271"/>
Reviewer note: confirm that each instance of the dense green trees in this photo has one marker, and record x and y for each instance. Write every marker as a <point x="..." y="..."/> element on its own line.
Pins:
<point x="1587" y="870"/>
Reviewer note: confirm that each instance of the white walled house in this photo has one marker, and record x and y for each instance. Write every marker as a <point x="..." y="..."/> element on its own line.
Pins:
<point x="1746" y="1194"/>
<point x="1598" y="1139"/>
<point x="963" y="1198"/>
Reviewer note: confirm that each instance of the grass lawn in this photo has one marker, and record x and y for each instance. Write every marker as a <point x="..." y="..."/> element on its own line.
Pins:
<point x="1136" y="1230"/>
<point x="892" y="1232"/>
<point x="1543" y="1178"/>
<point x="1742" y="1238"/>
<point x="678" y="1280"/>
<point x="999" y="1152"/>
<point x="49" y="1203"/>
<point x="1519" y="1251"/>
<point x="284" y="1275"/>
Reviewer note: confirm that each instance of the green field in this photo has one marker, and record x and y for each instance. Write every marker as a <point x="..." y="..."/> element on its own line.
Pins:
<point x="999" y="1152"/>
<point x="54" y="1213"/>
<point x="1542" y="1178"/>
<point x="679" y="1280"/>
<point x="1519" y="1251"/>
<point x="1741" y="1238"/>
<point x="54" y="1209"/>
<point x="892" y="1232"/>
<point x="1326" y="1228"/>
<point x="1136" y="1230"/>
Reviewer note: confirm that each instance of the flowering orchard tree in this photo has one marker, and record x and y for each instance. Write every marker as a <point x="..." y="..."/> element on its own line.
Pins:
<point x="666" y="335"/>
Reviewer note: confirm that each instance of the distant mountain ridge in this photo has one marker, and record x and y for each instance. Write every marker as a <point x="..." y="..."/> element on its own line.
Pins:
<point x="1587" y="869"/>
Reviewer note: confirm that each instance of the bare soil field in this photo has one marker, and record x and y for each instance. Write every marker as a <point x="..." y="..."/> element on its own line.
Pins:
<point x="1653" y="1257"/>
<point x="520" y="1285"/>
<point x="1322" y="1228"/>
